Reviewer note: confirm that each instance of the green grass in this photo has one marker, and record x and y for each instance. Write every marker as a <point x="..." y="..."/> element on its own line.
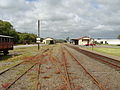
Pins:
<point x="18" y="55"/>
<point x="110" y="45"/>
<point x="111" y="51"/>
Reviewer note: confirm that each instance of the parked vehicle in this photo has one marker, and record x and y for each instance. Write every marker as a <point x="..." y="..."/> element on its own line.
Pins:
<point x="6" y="43"/>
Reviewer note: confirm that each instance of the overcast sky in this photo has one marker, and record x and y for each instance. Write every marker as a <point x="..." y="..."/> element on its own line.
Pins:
<point x="63" y="18"/>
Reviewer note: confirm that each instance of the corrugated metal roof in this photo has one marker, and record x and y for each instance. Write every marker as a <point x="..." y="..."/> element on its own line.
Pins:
<point x="6" y="36"/>
<point x="84" y="37"/>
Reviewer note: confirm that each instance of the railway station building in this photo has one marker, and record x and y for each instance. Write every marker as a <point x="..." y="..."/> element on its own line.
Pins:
<point x="49" y="40"/>
<point x="82" y="41"/>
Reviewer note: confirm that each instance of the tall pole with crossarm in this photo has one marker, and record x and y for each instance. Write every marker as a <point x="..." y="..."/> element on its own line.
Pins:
<point x="38" y="33"/>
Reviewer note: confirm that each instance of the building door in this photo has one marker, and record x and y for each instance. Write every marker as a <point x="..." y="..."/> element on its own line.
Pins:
<point x="51" y="42"/>
<point x="76" y="42"/>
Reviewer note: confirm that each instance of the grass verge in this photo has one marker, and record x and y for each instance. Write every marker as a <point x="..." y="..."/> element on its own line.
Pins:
<point x="111" y="51"/>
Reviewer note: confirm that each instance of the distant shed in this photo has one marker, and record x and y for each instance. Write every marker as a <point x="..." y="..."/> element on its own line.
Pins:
<point x="83" y="41"/>
<point x="49" y="40"/>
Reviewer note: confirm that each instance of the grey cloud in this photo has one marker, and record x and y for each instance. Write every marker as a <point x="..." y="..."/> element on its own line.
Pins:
<point x="62" y="18"/>
<point x="14" y="5"/>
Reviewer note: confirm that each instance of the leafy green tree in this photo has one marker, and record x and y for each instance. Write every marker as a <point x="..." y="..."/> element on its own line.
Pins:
<point x="6" y="28"/>
<point x="27" y="38"/>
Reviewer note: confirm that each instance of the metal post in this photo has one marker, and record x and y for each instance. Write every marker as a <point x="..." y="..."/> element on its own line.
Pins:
<point x="38" y="33"/>
<point x="93" y="45"/>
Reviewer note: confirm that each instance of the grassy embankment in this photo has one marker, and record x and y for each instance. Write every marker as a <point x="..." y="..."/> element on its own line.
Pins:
<point x="111" y="51"/>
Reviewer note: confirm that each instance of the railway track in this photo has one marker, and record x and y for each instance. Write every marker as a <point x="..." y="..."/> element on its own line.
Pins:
<point x="11" y="68"/>
<point x="64" y="75"/>
<point x="38" y="75"/>
<point x="101" y="87"/>
<point x="19" y="77"/>
<point x="66" y="71"/>
<point x="7" y="69"/>
<point x="38" y="85"/>
<point x="106" y="60"/>
<point x="29" y="64"/>
<point x="56" y="71"/>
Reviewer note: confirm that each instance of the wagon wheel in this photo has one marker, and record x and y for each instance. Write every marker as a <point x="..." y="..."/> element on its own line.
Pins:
<point x="5" y="52"/>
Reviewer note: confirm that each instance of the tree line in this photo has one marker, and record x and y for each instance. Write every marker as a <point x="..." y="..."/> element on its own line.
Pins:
<point x="6" y="28"/>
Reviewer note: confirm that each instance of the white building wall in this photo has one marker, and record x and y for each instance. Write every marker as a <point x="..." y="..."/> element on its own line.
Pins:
<point x="44" y="41"/>
<point x="80" y="42"/>
<point x="109" y="41"/>
<point x="91" y="41"/>
<point x="47" y="39"/>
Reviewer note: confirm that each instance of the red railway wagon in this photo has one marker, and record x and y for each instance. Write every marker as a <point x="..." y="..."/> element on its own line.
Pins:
<point x="6" y="43"/>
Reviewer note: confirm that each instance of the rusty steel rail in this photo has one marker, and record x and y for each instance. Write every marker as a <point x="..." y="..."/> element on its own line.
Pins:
<point x="92" y="77"/>
<point x="11" y="68"/>
<point x="16" y="65"/>
<point x="38" y="75"/>
<point x="53" y="60"/>
<point x="38" y="86"/>
<point x="21" y="74"/>
<point x="66" y="71"/>
<point x="113" y="62"/>
<point x="12" y="83"/>
<point x="64" y="77"/>
<point x="58" y="68"/>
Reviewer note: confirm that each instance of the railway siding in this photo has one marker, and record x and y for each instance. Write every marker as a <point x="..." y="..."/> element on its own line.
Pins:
<point x="9" y="76"/>
<point x="27" y="82"/>
<point x="106" y="60"/>
<point x="108" y="76"/>
<point x="79" y="78"/>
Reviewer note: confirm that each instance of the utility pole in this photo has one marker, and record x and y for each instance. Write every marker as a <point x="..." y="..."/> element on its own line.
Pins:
<point x="38" y="33"/>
